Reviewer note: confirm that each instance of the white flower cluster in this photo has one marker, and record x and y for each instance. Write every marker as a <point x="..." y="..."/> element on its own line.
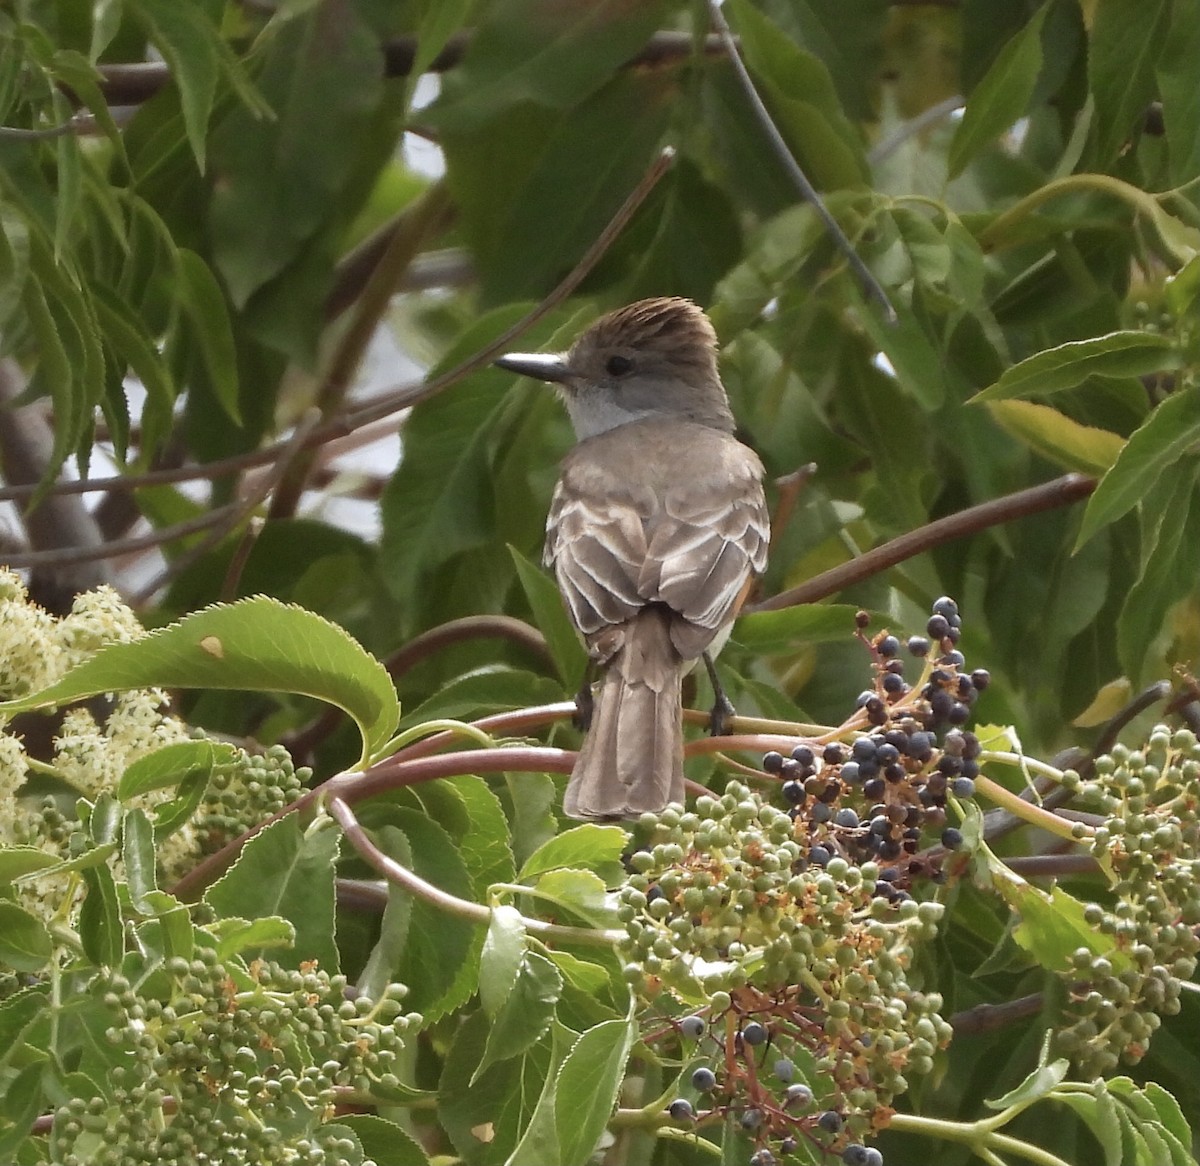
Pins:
<point x="90" y="754"/>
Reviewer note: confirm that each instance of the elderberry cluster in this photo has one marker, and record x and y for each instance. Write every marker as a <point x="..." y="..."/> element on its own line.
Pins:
<point x="809" y="1027"/>
<point x="213" y="1060"/>
<point x="881" y="798"/>
<point x="1150" y="841"/>
<point x="243" y="794"/>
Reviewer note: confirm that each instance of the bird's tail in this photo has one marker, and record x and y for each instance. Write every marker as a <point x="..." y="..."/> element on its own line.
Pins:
<point x="631" y="761"/>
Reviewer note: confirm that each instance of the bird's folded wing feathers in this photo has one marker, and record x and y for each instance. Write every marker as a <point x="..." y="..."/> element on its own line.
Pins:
<point x="692" y="545"/>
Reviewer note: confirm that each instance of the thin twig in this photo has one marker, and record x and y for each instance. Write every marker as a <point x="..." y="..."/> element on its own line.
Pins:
<point x="1062" y="491"/>
<point x="886" y="147"/>
<point x="989" y="1017"/>
<point x="409" y="395"/>
<point x="808" y="192"/>
<point x="427" y="215"/>
<point x="124" y="546"/>
<point x="241" y="510"/>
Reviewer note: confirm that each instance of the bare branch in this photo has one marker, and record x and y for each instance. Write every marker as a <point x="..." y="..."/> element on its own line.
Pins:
<point x="1064" y="491"/>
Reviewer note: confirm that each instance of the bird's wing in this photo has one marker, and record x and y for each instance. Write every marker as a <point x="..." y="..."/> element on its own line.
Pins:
<point x="689" y="536"/>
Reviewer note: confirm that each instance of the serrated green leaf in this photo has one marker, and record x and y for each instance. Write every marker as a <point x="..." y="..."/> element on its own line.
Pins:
<point x="579" y="891"/>
<point x="587" y="847"/>
<point x="287" y="872"/>
<point x="1098" y="1113"/>
<point x="1168" y="513"/>
<point x="257" y="644"/>
<point x="1127" y="38"/>
<point x="555" y="56"/>
<point x="1180" y="94"/>
<point x="100" y="928"/>
<point x="797" y="87"/>
<point x="1058" y="437"/>
<point x="503" y="951"/>
<point x="235" y="935"/>
<point x="1156" y="445"/>
<point x="1169" y="1113"/>
<point x="1038" y="1084"/>
<point x="1052" y="924"/>
<point x="189" y="39"/>
<point x="1003" y="94"/>
<point x="383" y="1141"/>
<point x="137" y="852"/>
<point x="18" y="861"/>
<point x="205" y="306"/>
<point x="94" y="856"/>
<point x="526" y="1012"/>
<point x="171" y="764"/>
<point x="25" y="944"/>
<point x="1117" y="354"/>
<point x="552" y="619"/>
<point x="587" y="1087"/>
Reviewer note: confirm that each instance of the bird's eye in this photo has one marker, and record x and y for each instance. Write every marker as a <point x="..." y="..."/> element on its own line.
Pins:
<point x="618" y="366"/>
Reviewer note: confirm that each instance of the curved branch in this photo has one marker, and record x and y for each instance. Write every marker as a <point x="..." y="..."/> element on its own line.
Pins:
<point x="1050" y="495"/>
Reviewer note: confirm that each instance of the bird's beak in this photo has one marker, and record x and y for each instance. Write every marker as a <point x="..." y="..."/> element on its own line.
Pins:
<point x="542" y="366"/>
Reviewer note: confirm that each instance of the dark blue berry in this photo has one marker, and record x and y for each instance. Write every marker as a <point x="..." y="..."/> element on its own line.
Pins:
<point x="963" y="787"/>
<point x="918" y="646"/>
<point x="952" y="839"/>
<point x="754" y="1033"/>
<point x="830" y="1121"/>
<point x="704" y="1080"/>
<point x="692" y="1027"/>
<point x="804" y="755"/>
<point x="681" y="1109"/>
<point x="772" y="762"/>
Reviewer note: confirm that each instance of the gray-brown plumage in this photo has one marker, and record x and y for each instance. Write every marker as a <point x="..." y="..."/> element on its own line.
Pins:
<point x="657" y="527"/>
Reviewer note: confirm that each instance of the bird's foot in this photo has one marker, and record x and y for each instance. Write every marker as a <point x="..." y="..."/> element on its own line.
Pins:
<point x="585" y="705"/>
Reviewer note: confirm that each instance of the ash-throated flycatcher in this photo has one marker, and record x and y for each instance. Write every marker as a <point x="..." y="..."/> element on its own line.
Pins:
<point x="657" y="528"/>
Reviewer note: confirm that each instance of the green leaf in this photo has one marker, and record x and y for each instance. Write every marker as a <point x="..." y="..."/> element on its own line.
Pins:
<point x="235" y="936"/>
<point x="1057" y="437"/>
<point x="383" y="1141"/>
<point x="1003" y="94"/>
<point x="1169" y="511"/>
<point x="100" y="928"/>
<point x="25" y="944"/>
<point x="798" y="90"/>
<point x="137" y="851"/>
<point x="552" y="55"/>
<point x="257" y="644"/>
<point x="439" y="957"/>
<point x="1118" y="354"/>
<point x="588" y="847"/>
<point x="579" y="891"/>
<point x="1127" y="37"/>
<point x="1168" y="1111"/>
<point x="205" y="306"/>
<point x="1099" y="1113"/>
<point x="94" y="856"/>
<point x="288" y="872"/>
<point x="767" y="633"/>
<point x="503" y="951"/>
<point x="1155" y="446"/>
<point x="551" y="615"/>
<point x="525" y="1014"/>
<point x="587" y="1087"/>
<point x="284" y="180"/>
<point x="18" y="861"/>
<point x="172" y="764"/>
<point x="1052" y="926"/>
<point x="1038" y="1084"/>
<point x="1179" y="91"/>
<point x="188" y="38"/>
